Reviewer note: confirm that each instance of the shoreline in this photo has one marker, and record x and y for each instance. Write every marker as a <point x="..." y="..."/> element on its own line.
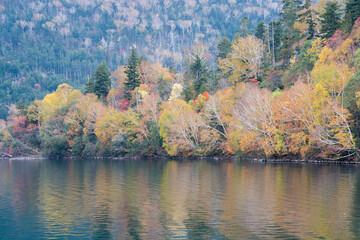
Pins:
<point x="179" y="158"/>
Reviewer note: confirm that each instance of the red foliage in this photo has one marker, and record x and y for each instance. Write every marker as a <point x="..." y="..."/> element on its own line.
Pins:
<point x="200" y="101"/>
<point x="336" y="39"/>
<point x="19" y="125"/>
<point x="37" y="86"/>
<point x="254" y="81"/>
<point x="56" y="132"/>
<point x="206" y="95"/>
<point x="123" y="105"/>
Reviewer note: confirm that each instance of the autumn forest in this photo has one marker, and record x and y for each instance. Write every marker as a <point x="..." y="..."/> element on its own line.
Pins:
<point x="285" y="86"/>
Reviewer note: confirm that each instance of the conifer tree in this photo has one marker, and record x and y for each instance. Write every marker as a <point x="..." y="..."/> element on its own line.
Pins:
<point x="290" y="34"/>
<point x="330" y="19"/>
<point x="100" y="82"/>
<point x="200" y="75"/>
<point x="132" y="73"/>
<point x="260" y="30"/>
<point x="308" y="17"/>
<point x="352" y="12"/>
<point x="223" y="47"/>
<point x="89" y="86"/>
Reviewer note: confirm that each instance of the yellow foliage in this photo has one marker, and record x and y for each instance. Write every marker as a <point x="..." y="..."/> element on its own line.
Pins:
<point x="245" y="59"/>
<point x="64" y="96"/>
<point x="113" y="124"/>
<point x="78" y="113"/>
<point x="175" y="92"/>
<point x="184" y="131"/>
<point x="331" y="74"/>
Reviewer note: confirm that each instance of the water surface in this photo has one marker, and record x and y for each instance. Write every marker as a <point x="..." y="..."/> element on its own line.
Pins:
<point x="157" y="199"/>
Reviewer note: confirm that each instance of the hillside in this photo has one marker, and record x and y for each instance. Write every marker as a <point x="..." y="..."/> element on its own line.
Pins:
<point x="45" y="43"/>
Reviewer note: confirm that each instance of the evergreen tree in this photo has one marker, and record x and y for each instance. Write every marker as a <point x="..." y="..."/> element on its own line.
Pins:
<point x="260" y="30"/>
<point x="132" y="73"/>
<point x="100" y="82"/>
<point x="245" y="27"/>
<point x="308" y="17"/>
<point x="89" y="86"/>
<point x="330" y="19"/>
<point x="223" y="47"/>
<point x="200" y="75"/>
<point x="352" y="12"/>
<point x="22" y="107"/>
<point x="290" y="34"/>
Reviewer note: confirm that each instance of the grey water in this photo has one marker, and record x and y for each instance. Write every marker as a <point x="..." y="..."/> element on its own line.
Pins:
<point x="165" y="199"/>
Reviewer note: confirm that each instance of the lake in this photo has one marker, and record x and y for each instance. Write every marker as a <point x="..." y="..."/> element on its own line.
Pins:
<point x="158" y="199"/>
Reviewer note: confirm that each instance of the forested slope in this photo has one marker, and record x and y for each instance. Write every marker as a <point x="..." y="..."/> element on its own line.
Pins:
<point x="44" y="43"/>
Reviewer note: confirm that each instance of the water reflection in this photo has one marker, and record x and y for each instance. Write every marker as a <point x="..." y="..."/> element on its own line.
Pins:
<point x="149" y="199"/>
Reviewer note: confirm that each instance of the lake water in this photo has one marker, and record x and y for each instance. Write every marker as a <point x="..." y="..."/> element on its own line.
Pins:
<point x="157" y="199"/>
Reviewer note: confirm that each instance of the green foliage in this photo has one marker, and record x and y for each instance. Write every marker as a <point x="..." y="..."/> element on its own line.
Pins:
<point x="352" y="12"/>
<point x="223" y="47"/>
<point x="132" y="73"/>
<point x="330" y="20"/>
<point x="199" y="74"/>
<point x="350" y="100"/>
<point x="260" y="30"/>
<point x="100" y="82"/>
<point x="290" y="35"/>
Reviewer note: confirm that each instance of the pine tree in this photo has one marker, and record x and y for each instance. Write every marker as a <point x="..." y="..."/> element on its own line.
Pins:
<point x="245" y="27"/>
<point x="100" y="82"/>
<point x="290" y="34"/>
<point x="330" y="19"/>
<point x="132" y="73"/>
<point x="260" y="30"/>
<point x="89" y="86"/>
<point x="352" y="12"/>
<point x="308" y="17"/>
<point x="223" y="47"/>
<point x="200" y="75"/>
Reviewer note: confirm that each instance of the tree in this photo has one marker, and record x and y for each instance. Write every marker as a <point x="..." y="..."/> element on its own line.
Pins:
<point x="244" y="62"/>
<point x="175" y="92"/>
<point x="260" y="30"/>
<point x="184" y="131"/>
<point x="352" y="12"/>
<point x="100" y="82"/>
<point x="223" y="47"/>
<point x="290" y="34"/>
<point x="199" y="74"/>
<point x="132" y="73"/>
<point x="55" y="103"/>
<point x="307" y="16"/>
<point x="330" y="19"/>
<point x="245" y="26"/>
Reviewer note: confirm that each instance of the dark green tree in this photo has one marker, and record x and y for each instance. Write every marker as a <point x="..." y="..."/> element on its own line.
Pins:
<point x="200" y="74"/>
<point x="223" y="47"/>
<point x="260" y="30"/>
<point x="245" y="27"/>
<point x="352" y="12"/>
<point x="100" y="82"/>
<point x="89" y="86"/>
<point x="290" y="35"/>
<point x="22" y="107"/>
<point x="308" y="17"/>
<point x="330" y="19"/>
<point x="132" y="73"/>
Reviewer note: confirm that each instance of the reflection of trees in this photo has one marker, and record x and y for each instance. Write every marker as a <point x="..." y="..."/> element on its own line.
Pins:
<point x="186" y="199"/>
<point x="355" y="214"/>
<point x="102" y="222"/>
